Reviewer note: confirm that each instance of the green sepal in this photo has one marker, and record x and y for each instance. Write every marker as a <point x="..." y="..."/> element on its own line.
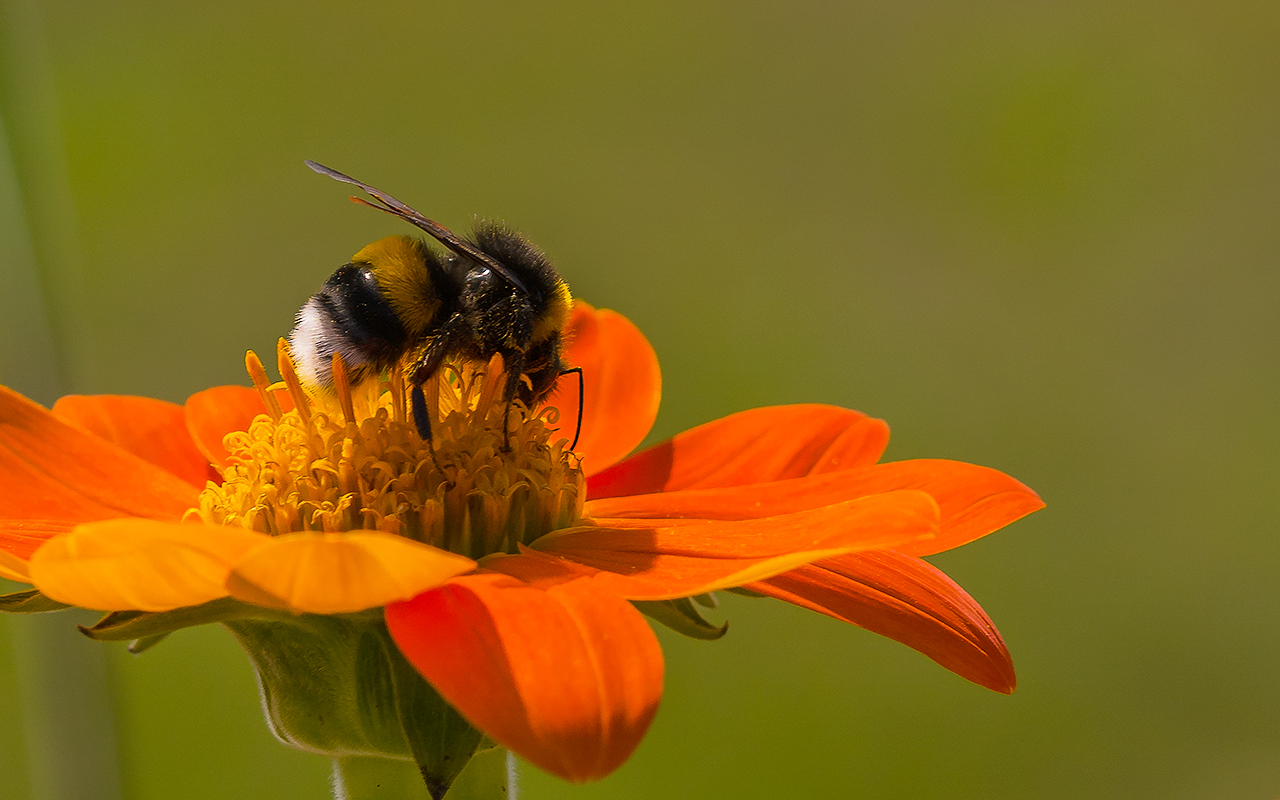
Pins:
<point x="338" y="686"/>
<point x="29" y="602"/>
<point x="325" y="683"/>
<point x="745" y="592"/>
<point x="707" y="600"/>
<point x="681" y="616"/>
<point x="488" y="776"/>
<point x="140" y="646"/>
<point x="436" y="732"/>
<point x="121" y="626"/>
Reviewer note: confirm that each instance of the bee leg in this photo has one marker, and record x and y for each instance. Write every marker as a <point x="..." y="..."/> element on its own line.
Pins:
<point x="427" y="365"/>
<point x="582" y="396"/>
<point x="514" y="365"/>
<point x="418" y="401"/>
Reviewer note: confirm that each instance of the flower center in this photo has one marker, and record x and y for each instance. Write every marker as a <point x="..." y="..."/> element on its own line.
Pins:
<point x="351" y="459"/>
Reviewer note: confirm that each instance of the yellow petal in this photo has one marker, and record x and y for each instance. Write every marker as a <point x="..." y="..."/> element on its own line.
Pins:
<point x="341" y="573"/>
<point x="138" y="564"/>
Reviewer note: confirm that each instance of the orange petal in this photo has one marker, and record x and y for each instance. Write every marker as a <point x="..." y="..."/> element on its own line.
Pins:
<point x="731" y="502"/>
<point x="14" y="568"/>
<point x="214" y="413"/>
<point x="663" y="577"/>
<point x="622" y="385"/>
<point x="341" y="573"/>
<point x="906" y="599"/>
<point x="22" y="537"/>
<point x="53" y="471"/>
<point x="882" y="520"/>
<point x="756" y="446"/>
<point x="153" y="430"/>
<point x="653" y="563"/>
<point x="136" y="564"/>
<point x="973" y="500"/>
<point x="568" y="677"/>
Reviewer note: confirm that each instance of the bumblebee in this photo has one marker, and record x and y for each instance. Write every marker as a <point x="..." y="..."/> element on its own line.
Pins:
<point x="399" y="299"/>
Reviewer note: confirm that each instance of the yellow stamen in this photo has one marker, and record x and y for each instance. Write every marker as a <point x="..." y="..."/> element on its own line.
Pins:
<point x="258" y="374"/>
<point x="335" y="465"/>
<point x="490" y="388"/>
<point x="397" y="393"/>
<point x="342" y="386"/>
<point x="284" y="362"/>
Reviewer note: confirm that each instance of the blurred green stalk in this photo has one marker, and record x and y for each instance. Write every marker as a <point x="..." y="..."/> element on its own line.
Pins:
<point x="64" y="700"/>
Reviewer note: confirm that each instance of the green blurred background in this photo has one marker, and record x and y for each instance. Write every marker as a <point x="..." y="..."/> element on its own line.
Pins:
<point x="1041" y="237"/>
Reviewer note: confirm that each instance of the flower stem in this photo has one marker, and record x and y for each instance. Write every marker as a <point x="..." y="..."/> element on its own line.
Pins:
<point x="490" y="775"/>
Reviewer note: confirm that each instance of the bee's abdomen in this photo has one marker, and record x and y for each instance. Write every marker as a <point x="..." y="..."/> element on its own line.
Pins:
<point x="350" y="316"/>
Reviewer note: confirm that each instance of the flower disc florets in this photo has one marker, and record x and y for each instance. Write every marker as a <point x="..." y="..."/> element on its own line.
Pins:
<point x="351" y="459"/>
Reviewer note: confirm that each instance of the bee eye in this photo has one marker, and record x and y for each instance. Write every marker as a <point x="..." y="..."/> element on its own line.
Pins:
<point x="479" y="278"/>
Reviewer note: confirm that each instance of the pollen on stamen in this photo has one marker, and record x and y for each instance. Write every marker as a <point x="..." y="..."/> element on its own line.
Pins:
<point x="351" y="458"/>
<point x="258" y="374"/>
<point x="289" y="374"/>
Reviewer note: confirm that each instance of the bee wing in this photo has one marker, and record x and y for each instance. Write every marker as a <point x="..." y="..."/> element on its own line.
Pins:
<point x="445" y="236"/>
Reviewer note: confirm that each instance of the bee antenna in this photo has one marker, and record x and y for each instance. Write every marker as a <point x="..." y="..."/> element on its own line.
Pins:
<point x="439" y="232"/>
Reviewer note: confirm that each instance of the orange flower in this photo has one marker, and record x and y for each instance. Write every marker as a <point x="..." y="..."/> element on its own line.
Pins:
<point x="507" y="582"/>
